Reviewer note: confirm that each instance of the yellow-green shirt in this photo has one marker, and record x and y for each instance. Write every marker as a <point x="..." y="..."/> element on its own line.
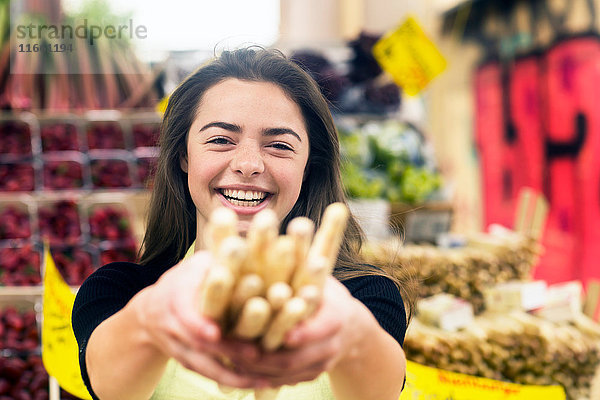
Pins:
<point x="179" y="383"/>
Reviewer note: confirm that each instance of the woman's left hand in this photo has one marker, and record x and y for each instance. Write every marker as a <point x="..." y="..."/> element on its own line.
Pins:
<point x="317" y="344"/>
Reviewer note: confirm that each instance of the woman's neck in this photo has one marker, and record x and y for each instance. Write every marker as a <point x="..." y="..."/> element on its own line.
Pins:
<point x="199" y="244"/>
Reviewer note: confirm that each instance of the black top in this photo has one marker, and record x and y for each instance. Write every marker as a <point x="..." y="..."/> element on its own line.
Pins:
<point x="111" y="287"/>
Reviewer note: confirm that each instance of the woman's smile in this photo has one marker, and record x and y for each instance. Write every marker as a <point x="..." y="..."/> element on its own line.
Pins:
<point x="244" y="201"/>
<point x="244" y="198"/>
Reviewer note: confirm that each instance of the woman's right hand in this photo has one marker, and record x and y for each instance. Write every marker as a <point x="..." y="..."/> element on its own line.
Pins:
<point x="169" y="313"/>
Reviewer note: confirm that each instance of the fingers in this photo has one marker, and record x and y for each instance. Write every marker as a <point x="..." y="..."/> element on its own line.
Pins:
<point x="184" y="305"/>
<point x="235" y="348"/>
<point x="322" y="325"/>
<point x="293" y="362"/>
<point x="192" y="322"/>
<point x="334" y="311"/>
<point x="290" y="377"/>
<point x="202" y="334"/>
<point x="210" y="367"/>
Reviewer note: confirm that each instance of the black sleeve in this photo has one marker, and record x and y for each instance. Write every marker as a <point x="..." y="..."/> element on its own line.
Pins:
<point x="104" y="293"/>
<point x="381" y="296"/>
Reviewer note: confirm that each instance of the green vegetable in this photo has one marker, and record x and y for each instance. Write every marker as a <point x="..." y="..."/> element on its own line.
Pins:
<point x="387" y="160"/>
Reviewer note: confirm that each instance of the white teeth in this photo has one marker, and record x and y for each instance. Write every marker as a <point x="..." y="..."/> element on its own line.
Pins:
<point x="244" y="195"/>
<point x="244" y="203"/>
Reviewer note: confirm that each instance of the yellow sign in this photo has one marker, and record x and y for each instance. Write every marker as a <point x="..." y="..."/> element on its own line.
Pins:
<point x="59" y="347"/>
<point x="434" y="384"/>
<point x="409" y="57"/>
<point x="161" y="107"/>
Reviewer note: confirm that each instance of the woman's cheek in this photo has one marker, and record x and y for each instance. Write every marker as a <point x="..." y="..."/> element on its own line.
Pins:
<point x="293" y="177"/>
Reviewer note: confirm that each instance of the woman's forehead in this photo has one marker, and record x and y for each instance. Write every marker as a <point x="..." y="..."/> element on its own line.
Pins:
<point x="238" y="101"/>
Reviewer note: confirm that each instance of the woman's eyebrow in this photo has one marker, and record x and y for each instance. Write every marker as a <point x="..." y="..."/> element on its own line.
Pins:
<point x="237" y="129"/>
<point x="281" y="131"/>
<point x="223" y="125"/>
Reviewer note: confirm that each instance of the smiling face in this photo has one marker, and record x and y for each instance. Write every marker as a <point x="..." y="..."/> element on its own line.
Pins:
<point x="246" y="150"/>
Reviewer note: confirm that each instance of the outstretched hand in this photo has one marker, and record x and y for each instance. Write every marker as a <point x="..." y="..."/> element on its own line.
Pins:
<point x="316" y="345"/>
<point x="170" y="316"/>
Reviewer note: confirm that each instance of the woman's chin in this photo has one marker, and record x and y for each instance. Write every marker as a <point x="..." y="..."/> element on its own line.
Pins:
<point x="243" y="227"/>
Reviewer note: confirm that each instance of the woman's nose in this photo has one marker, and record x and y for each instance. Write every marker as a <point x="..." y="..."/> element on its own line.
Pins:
<point x="247" y="160"/>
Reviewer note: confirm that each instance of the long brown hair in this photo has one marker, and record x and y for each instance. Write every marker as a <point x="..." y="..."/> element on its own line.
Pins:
<point x="171" y="227"/>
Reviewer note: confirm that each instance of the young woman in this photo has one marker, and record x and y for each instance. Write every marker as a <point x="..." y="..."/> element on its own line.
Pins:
<point x="248" y="131"/>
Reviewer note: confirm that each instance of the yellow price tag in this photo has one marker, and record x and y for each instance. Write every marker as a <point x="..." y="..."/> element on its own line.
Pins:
<point x="435" y="384"/>
<point x="161" y="107"/>
<point x="60" y="352"/>
<point x="410" y="57"/>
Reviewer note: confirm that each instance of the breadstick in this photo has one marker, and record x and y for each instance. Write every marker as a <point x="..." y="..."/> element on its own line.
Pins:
<point x="221" y="277"/>
<point x="324" y="249"/>
<point x="253" y="319"/>
<point x="280" y="261"/>
<point x="291" y="313"/>
<point x="222" y="223"/>
<point x="226" y="389"/>
<point x="248" y="286"/>
<point x="314" y="272"/>
<point x="331" y="232"/>
<point x="232" y="253"/>
<point x="312" y="295"/>
<point x="266" y="394"/>
<point x="301" y="229"/>
<point x="262" y="233"/>
<point x="216" y="292"/>
<point x="278" y="293"/>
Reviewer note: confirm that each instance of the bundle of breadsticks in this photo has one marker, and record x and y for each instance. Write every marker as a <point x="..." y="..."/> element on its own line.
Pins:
<point x="264" y="285"/>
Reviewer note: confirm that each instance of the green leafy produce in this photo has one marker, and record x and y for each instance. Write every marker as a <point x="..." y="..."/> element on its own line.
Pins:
<point x="388" y="160"/>
<point x="417" y="184"/>
<point x="359" y="185"/>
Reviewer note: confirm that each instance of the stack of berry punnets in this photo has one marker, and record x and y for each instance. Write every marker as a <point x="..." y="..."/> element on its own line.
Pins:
<point x="263" y="286"/>
<point x="20" y="144"/>
<point x="111" y="224"/>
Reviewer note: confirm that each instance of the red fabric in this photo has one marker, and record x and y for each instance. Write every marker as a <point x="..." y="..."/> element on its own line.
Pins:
<point x="489" y="132"/>
<point x="572" y="86"/>
<point x="508" y="165"/>
<point x="527" y="153"/>
<point x="546" y="136"/>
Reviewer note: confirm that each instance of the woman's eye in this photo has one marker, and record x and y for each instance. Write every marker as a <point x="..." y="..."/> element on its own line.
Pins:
<point x="281" y="146"/>
<point x="219" y="141"/>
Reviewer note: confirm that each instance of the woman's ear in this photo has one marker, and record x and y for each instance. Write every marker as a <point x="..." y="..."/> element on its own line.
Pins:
<point x="183" y="163"/>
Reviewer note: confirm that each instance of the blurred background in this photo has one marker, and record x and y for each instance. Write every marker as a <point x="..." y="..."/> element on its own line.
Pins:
<point x="470" y="154"/>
